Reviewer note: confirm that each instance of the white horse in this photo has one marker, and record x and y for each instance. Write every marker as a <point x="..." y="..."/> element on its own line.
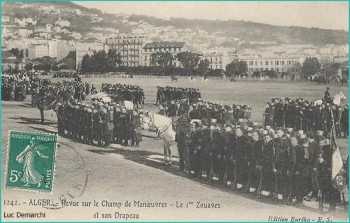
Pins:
<point x="165" y="131"/>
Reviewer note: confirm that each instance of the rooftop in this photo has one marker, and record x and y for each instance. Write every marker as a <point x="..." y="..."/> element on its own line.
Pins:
<point x="164" y="44"/>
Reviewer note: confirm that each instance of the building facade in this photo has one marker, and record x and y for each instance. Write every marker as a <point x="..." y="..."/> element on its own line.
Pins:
<point x="215" y="60"/>
<point x="276" y="63"/>
<point x="129" y="48"/>
<point x="164" y="46"/>
<point x="86" y="48"/>
<point x="53" y="48"/>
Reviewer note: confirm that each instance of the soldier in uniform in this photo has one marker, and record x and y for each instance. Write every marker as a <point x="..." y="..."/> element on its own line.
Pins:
<point x="228" y="154"/>
<point x="254" y="145"/>
<point x="301" y="169"/>
<point x="218" y="154"/>
<point x="60" y="120"/>
<point x="206" y="150"/>
<point x="181" y="131"/>
<point x="242" y="147"/>
<point x="267" y="166"/>
<point x="281" y="159"/>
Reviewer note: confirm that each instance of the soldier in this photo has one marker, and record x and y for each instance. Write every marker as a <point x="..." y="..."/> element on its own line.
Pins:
<point x="109" y="124"/>
<point x="123" y="120"/>
<point x="281" y="158"/>
<point x="218" y="154"/>
<point x="229" y="153"/>
<point x="206" y="150"/>
<point x="242" y="147"/>
<point x="267" y="166"/>
<point x="117" y="126"/>
<point x="327" y="96"/>
<point x="181" y="131"/>
<point x="314" y="151"/>
<point x="254" y="145"/>
<point x="345" y="121"/>
<point x="301" y="169"/>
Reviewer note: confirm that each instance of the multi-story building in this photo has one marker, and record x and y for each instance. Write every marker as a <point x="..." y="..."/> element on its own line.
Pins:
<point x="129" y="48"/>
<point x="278" y="63"/>
<point x="52" y="48"/>
<point x="215" y="60"/>
<point x="165" y="46"/>
<point x="38" y="49"/>
<point x="86" y="47"/>
<point x="11" y="62"/>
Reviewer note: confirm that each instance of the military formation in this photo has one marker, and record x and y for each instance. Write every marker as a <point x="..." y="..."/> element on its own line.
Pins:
<point x="288" y="158"/>
<point x="206" y="110"/>
<point x="15" y="87"/>
<point x="98" y="123"/>
<point x="121" y="92"/>
<point x="283" y="164"/>
<point x="167" y="95"/>
<point x="302" y="114"/>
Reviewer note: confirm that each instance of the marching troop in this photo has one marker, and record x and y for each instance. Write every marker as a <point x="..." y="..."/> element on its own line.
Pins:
<point x="15" y="87"/>
<point x="206" y="110"/>
<point x="99" y="123"/>
<point x="284" y="164"/>
<point x="165" y="95"/>
<point x="121" y="92"/>
<point x="309" y="116"/>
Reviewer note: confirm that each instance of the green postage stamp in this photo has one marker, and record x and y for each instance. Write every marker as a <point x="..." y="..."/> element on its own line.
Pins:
<point x="31" y="161"/>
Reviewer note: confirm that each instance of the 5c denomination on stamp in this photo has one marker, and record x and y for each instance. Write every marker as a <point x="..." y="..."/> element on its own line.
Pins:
<point x="31" y="161"/>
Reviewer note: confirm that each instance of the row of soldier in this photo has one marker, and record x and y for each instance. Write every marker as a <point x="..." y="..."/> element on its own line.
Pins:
<point x="309" y="116"/>
<point x="165" y="95"/>
<point x="205" y="110"/>
<point x="121" y="92"/>
<point x="286" y="165"/>
<point x="98" y="123"/>
<point x="46" y="94"/>
<point x="15" y="86"/>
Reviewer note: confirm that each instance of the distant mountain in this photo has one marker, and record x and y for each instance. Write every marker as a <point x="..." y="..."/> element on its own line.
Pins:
<point x="94" y="23"/>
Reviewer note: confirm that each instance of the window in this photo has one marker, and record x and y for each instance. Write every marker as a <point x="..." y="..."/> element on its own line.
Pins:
<point x="266" y="63"/>
<point x="277" y="62"/>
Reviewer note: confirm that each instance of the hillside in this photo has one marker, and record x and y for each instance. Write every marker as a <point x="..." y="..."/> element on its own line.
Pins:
<point x="213" y="33"/>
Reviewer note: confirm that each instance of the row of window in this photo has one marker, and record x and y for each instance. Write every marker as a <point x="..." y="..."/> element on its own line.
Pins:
<point x="169" y="49"/>
<point x="124" y="41"/>
<point x="277" y="62"/>
<point x="266" y="69"/>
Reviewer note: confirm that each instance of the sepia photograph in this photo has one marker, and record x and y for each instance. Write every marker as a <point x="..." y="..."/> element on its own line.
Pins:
<point x="174" y="111"/>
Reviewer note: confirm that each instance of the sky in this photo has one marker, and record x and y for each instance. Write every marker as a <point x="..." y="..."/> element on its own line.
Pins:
<point x="328" y="15"/>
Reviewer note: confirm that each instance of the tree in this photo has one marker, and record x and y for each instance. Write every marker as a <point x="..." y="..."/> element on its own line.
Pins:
<point x="236" y="68"/>
<point x="310" y="67"/>
<point x="114" y="58"/>
<point x="45" y="63"/>
<point x="188" y="60"/>
<point x="85" y="64"/>
<point x="68" y="62"/>
<point x="28" y="66"/>
<point x="162" y="59"/>
<point x="293" y="72"/>
<point x="203" y="67"/>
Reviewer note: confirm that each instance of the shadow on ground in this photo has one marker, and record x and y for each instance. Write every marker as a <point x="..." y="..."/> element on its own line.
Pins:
<point x="141" y="157"/>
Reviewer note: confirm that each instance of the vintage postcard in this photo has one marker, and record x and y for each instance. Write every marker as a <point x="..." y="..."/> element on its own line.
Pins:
<point x="178" y="111"/>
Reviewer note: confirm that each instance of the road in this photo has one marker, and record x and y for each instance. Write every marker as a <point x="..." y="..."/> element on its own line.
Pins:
<point x="119" y="174"/>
